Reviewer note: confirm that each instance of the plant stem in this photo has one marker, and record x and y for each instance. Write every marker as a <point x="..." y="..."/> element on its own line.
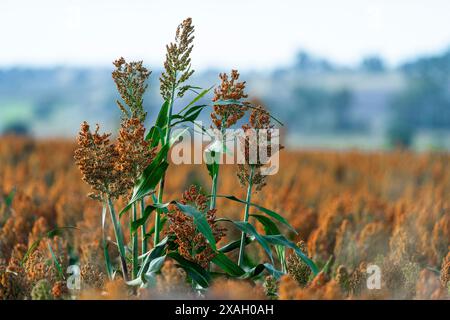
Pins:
<point x="134" y="244"/>
<point x="119" y="238"/>
<point x="215" y="178"/>
<point x="162" y="183"/>
<point x="212" y="204"/>
<point x="143" y="231"/>
<point x="246" y="214"/>
<point x="104" y="241"/>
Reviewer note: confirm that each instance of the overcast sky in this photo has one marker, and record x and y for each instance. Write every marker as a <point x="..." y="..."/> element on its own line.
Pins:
<point x="246" y="34"/>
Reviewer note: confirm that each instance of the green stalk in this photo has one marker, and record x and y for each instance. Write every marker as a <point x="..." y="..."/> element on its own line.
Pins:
<point x="134" y="245"/>
<point x="143" y="231"/>
<point x="119" y="238"/>
<point x="212" y="204"/>
<point x="162" y="183"/>
<point x="215" y="178"/>
<point x="246" y="214"/>
<point x="105" y="243"/>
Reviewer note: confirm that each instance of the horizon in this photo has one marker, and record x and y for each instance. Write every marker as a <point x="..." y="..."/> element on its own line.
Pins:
<point x="92" y="34"/>
<point x="339" y="67"/>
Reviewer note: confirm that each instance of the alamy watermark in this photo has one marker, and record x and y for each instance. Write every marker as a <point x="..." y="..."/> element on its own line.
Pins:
<point x="374" y="277"/>
<point x="231" y="146"/>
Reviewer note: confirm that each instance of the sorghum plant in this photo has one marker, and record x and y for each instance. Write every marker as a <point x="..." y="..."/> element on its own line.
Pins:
<point x="134" y="167"/>
<point x="97" y="159"/>
<point x="177" y="71"/>
<point x="228" y="108"/>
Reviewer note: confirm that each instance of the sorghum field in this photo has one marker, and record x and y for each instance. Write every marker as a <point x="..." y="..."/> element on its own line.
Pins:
<point x="351" y="209"/>
<point x="110" y="215"/>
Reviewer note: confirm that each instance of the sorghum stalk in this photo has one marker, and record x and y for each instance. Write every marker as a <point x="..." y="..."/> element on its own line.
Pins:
<point x="143" y="231"/>
<point x="177" y="71"/>
<point x="104" y="241"/>
<point x="225" y="116"/>
<point x="119" y="238"/>
<point x="134" y="244"/>
<point x="162" y="183"/>
<point x="215" y="180"/>
<point x="246" y="214"/>
<point x="212" y="205"/>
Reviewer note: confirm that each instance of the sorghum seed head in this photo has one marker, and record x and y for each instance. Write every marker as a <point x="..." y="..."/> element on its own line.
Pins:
<point x="297" y="268"/>
<point x="178" y="62"/>
<point x="96" y="157"/>
<point x="224" y="116"/>
<point x="192" y="245"/>
<point x="130" y="81"/>
<point x="134" y="152"/>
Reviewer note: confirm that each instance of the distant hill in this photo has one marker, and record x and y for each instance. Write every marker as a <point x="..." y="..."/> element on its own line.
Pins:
<point x="313" y="97"/>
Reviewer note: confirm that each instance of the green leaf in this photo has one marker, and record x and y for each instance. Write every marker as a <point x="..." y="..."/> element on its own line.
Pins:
<point x="56" y="262"/>
<point x="235" y="245"/>
<point x="327" y="265"/>
<point x="269" y="226"/>
<point x="109" y="269"/>
<point x="195" y="272"/>
<point x="158" y="131"/>
<point x="200" y="222"/>
<point x="257" y="270"/>
<point x="194" y="110"/>
<point x="281" y="254"/>
<point x="225" y="263"/>
<point x="281" y="240"/>
<point x="273" y="271"/>
<point x="148" y="279"/>
<point x="198" y="97"/>
<point x="9" y="198"/>
<point x="156" y="264"/>
<point x="141" y="221"/>
<point x="154" y="253"/>
<point x="149" y="178"/>
<point x="47" y="235"/>
<point x="190" y="116"/>
<point x="199" y="219"/>
<point x="250" y="229"/>
<point x="270" y="213"/>
<point x="253" y="272"/>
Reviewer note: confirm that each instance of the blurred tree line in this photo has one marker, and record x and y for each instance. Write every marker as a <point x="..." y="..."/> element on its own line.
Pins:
<point x="424" y="103"/>
<point x="312" y="96"/>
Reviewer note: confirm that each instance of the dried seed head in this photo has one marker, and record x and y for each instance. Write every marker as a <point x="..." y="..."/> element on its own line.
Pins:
<point x="258" y="138"/>
<point x="193" y="197"/>
<point x="192" y="245"/>
<point x="343" y="278"/>
<point x="130" y="81"/>
<point x="96" y="157"/>
<point x="271" y="287"/>
<point x="224" y="116"/>
<point x="297" y="268"/>
<point x="134" y="152"/>
<point x="178" y="62"/>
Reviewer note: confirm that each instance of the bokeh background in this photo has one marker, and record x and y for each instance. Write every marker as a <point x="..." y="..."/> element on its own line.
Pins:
<point x="340" y="74"/>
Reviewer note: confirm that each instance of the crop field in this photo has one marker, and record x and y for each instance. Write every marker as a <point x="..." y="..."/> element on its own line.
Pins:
<point x="351" y="209"/>
<point x="145" y="212"/>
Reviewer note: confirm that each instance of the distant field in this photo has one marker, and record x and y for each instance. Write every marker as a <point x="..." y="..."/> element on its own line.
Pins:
<point x="385" y="208"/>
<point x="423" y="141"/>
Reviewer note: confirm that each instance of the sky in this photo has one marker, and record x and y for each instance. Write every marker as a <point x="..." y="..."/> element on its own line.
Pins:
<point x="244" y="34"/>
